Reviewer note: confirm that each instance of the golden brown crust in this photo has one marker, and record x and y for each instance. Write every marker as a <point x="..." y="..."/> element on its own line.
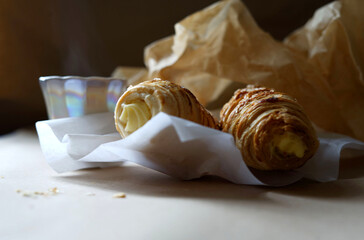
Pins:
<point x="168" y="97"/>
<point x="255" y="115"/>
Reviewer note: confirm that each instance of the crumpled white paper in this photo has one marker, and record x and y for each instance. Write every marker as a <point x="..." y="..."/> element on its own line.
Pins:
<point x="176" y="147"/>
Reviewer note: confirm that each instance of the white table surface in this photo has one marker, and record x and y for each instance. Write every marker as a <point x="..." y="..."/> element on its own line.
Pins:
<point x="160" y="207"/>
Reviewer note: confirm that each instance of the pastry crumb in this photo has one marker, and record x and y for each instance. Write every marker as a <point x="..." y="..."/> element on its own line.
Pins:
<point x="2" y="177"/>
<point x="90" y="194"/>
<point x="27" y="194"/>
<point x="39" y="193"/>
<point x="34" y="194"/>
<point x="119" y="195"/>
<point x="54" y="190"/>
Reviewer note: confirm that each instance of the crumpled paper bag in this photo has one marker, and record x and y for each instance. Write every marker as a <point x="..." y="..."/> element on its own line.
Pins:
<point x="134" y="75"/>
<point x="330" y="44"/>
<point x="176" y="147"/>
<point x="221" y="48"/>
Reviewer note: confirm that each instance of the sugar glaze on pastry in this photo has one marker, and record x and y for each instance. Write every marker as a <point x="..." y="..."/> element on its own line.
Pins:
<point x="270" y="129"/>
<point x="145" y="100"/>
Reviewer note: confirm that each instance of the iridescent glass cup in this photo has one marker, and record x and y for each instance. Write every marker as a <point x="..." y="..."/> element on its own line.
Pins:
<point x="73" y="96"/>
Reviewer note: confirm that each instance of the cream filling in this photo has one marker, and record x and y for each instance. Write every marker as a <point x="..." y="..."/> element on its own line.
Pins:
<point x="134" y="116"/>
<point x="290" y="143"/>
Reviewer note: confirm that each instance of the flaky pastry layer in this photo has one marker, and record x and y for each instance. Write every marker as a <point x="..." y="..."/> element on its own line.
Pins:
<point x="143" y="101"/>
<point x="270" y="128"/>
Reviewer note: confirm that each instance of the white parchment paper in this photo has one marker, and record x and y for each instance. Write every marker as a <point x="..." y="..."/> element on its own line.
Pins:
<point x="176" y="147"/>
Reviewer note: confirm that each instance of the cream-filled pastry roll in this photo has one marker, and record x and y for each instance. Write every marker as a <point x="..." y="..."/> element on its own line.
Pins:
<point x="270" y="129"/>
<point x="145" y="100"/>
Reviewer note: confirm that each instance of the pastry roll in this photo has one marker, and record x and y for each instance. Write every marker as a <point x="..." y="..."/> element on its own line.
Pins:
<point x="270" y="129"/>
<point x="143" y="101"/>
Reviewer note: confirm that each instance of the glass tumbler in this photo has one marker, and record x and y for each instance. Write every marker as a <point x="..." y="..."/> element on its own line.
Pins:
<point x="73" y="96"/>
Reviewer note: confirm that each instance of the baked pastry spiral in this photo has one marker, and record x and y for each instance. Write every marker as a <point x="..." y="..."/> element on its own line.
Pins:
<point x="143" y="101"/>
<point x="270" y="129"/>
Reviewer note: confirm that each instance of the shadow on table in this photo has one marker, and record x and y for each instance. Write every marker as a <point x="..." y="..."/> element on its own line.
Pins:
<point x="352" y="168"/>
<point x="143" y="181"/>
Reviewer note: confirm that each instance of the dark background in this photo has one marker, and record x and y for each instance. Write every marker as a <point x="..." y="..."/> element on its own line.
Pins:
<point x="92" y="37"/>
